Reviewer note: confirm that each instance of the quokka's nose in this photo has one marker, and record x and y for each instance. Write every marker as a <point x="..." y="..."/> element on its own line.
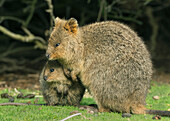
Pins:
<point x="45" y="78"/>
<point x="47" y="55"/>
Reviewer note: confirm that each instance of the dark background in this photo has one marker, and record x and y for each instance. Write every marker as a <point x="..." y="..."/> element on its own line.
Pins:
<point x="149" y="18"/>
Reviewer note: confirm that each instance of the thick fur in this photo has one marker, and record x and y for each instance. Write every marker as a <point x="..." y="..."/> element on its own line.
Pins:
<point x="109" y="58"/>
<point x="57" y="89"/>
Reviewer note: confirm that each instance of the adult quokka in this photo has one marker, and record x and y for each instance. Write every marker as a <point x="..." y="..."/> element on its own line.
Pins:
<point x="110" y="59"/>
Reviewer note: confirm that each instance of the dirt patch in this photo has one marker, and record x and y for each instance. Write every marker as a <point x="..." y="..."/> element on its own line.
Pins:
<point x="27" y="81"/>
<point x="161" y="77"/>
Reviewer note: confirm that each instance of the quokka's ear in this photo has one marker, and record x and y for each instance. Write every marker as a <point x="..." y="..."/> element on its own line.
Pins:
<point x="71" y="25"/>
<point x="57" y="20"/>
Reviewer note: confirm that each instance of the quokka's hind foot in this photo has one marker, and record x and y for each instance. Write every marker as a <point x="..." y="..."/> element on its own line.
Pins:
<point x="103" y="109"/>
<point x="138" y="109"/>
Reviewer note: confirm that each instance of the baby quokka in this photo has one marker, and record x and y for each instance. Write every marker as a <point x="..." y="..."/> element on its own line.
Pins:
<point x="57" y="89"/>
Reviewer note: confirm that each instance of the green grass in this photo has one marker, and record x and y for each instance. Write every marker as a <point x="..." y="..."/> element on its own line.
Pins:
<point x="51" y="113"/>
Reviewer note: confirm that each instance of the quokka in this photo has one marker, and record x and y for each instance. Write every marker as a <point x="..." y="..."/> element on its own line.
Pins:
<point x="57" y="89"/>
<point x="109" y="58"/>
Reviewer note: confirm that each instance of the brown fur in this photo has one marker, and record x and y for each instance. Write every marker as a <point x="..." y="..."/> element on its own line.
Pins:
<point x="109" y="58"/>
<point x="57" y="89"/>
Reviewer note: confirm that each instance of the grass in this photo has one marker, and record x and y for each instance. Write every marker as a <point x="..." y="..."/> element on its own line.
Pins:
<point x="51" y="113"/>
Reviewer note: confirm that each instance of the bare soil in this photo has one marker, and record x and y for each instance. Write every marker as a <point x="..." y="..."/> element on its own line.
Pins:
<point x="27" y="81"/>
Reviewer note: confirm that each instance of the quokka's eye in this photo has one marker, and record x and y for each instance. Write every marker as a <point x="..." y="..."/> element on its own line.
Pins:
<point x="57" y="44"/>
<point x="51" y="70"/>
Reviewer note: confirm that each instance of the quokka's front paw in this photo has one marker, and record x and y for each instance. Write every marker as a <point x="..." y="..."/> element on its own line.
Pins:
<point x="67" y="72"/>
<point x="73" y="76"/>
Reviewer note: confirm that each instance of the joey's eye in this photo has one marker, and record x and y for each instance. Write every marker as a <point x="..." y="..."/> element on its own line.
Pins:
<point x="51" y="70"/>
<point x="57" y="44"/>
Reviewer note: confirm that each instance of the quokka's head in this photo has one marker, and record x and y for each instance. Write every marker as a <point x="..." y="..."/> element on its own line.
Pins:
<point x="64" y="40"/>
<point x="54" y="75"/>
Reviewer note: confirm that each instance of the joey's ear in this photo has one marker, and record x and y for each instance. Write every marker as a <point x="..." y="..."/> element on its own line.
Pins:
<point x="71" y="25"/>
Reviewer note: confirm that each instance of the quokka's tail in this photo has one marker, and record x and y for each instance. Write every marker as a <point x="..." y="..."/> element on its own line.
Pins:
<point x="158" y="112"/>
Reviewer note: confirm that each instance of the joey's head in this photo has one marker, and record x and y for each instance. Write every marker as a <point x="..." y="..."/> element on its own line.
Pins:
<point x="54" y="75"/>
<point x="64" y="43"/>
<point x="63" y="91"/>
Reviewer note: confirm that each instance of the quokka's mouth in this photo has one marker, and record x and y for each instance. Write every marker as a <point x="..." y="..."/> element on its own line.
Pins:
<point x="53" y="57"/>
